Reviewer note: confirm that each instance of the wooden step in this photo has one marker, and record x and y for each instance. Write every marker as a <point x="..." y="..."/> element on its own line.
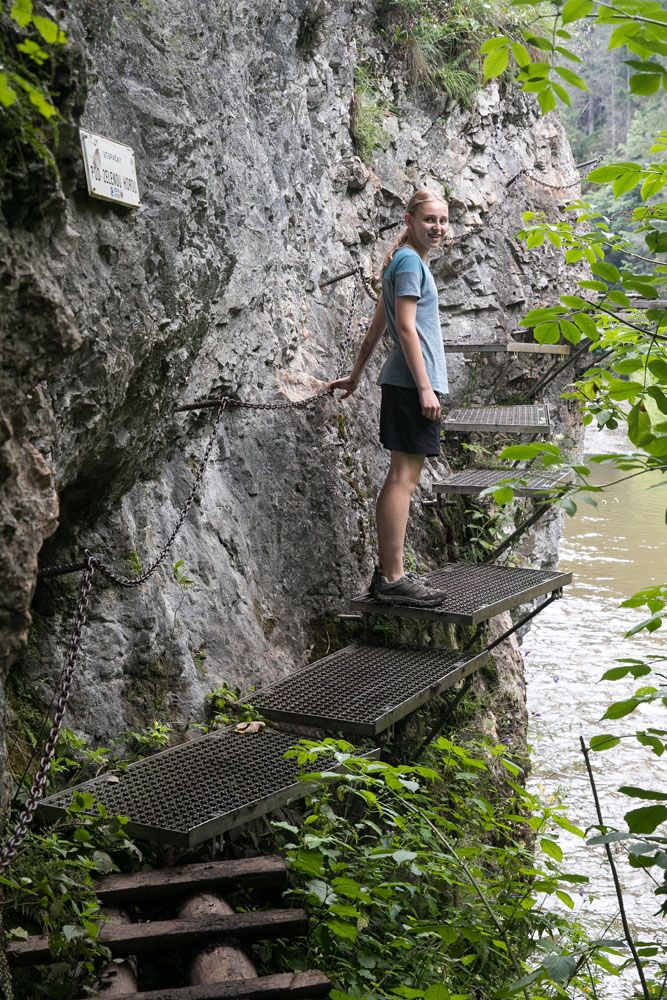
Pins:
<point x="284" y="986"/>
<point x="148" y="938"/>
<point x="165" y="883"/>
<point x="475" y="593"/>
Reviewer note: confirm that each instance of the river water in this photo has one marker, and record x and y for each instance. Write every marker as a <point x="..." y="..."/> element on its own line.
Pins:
<point x="613" y="550"/>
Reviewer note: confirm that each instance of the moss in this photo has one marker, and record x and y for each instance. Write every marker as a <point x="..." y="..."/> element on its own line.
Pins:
<point x="151" y="688"/>
<point x="268" y="626"/>
<point x="328" y="634"/>
<point x="199" y="659"/>
<point x="342" y="427"/>
<point x="24" y="722"/>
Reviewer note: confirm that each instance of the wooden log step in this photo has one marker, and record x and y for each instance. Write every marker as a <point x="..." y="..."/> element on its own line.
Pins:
<point x="164" y="883"/>
<point x="288" y="985"/>
<point x="147" y="938"/>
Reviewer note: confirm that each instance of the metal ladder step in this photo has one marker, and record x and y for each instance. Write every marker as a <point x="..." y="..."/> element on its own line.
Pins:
<point x="510" y="347"/>
<point x="475" y="593"/>
<point x="362" y="690"/>
<point x="524" y="483"/>
<point x="513" y="419"/>
<point x="198" y="790"/>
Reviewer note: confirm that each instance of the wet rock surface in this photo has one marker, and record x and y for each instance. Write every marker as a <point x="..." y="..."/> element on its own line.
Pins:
<point x="252" y="193"/>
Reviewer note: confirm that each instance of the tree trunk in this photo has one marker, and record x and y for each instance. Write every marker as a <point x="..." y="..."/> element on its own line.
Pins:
<point x="218" y="963"/>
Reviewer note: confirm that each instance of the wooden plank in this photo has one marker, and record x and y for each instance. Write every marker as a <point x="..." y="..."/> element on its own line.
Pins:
<point x="163" y="883"/>
<point x="217" y="963"/>
<point x="285" y="986"/>
<point x="142" y="939"/>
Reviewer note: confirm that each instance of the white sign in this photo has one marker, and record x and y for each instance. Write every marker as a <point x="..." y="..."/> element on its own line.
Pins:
<point x="110" y="169"/>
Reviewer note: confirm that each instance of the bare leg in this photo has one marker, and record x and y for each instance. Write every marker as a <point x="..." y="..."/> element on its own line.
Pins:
<point x="392" y="510"/>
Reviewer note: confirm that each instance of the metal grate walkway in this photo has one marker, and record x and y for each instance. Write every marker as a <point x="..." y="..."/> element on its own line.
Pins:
<point x="514" y="419"/>
<point x="195" y="791"/>
<point x="475" y="593"/>
<point x="363" y="690"/>
<point x="524" y="484"/>
<point x="510" y="347"/>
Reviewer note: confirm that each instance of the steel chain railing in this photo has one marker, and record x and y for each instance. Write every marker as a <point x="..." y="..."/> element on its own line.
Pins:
<point x="124" y="581"/>
<point x="39" y="783"/>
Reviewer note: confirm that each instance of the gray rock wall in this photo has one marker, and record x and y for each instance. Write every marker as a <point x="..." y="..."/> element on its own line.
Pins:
<point x="251" y="195"/>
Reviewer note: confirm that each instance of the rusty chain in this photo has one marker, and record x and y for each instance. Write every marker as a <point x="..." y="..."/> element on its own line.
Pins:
<point x="37" y="790"/>
<point x="92" y="562"/>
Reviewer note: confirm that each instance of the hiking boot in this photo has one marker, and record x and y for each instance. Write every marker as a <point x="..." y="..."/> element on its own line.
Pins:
<point x="408" y="591"/>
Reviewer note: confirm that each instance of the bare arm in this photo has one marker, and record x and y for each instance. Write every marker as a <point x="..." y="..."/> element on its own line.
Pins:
<point x="377" y="327"/>
<point x="406" y="328"/>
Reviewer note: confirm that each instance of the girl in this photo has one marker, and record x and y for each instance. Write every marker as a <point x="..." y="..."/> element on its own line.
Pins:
<point x="411" y="378"/>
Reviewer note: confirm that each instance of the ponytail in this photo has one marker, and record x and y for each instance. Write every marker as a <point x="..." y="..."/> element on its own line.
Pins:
<point x="418" y="198"/>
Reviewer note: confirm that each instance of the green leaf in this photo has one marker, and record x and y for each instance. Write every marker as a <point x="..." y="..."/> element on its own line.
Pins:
<point x="491" y="44"/>
<point x="551" y="849"/>
<point x="645" y="819"/>
<point x="570" y="331"/>
<point x="7" y="95"/>
<point x="602" y="175"/>
<point x="634" y="669"/>
<point x="574" y="10"/>
<point x="643" y="793"/>
<point x="33" y="51"/>
<point x="572" y="78"/>
<point x="621" y="708"/>
<point x="626" y="183"/>
<point x="605" y="270"/>
<point x="22" y="12"/>
<point x="639" y="426"/>
<point x="547" y="101"/>
<point x="535" y="239"/>
<point x="49" y="30"/>
<point x="520" y="54"/>
<point x="645" y="83"/>
<point x="605" y="741"/>
<point x="561" y="968"/>
<point x="563" y="95"/>
<point x="342" y="929"/>
<point x="547" y="333"/>
<point x="658" y="397"/>
<point x="658" y="368"/>
<point x="437" y="992"/>
<point x="565" y="898"/>
<point x="496" y="62"/>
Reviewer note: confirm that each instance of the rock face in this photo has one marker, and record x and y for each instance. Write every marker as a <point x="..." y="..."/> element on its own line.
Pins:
<point x="252" y="194"/>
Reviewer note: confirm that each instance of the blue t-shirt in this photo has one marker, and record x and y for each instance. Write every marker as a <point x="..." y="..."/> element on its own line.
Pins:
<point x="408" y="275"/>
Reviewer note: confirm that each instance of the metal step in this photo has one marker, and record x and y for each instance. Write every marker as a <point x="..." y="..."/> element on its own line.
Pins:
<point x="513" y="419"/>
<point x="525" y="484"/>
<point x="363" y="690"/>
<point x="510" y="347"/>
<point x="475" y="593"/>
<point x="195" y="791"/>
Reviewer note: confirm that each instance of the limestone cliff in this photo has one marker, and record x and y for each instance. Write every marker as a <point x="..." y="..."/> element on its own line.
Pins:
<point x="251" y="195"/>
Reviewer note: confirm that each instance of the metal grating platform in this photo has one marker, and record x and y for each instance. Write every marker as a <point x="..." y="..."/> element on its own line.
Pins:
<point x="524" y="484"/>
<point x="475" y="593"/>
<point x="515" y="419"/>
<point x="193" y="792"/>
<point x="510" y="347"/>
<point x="363" y="690"/>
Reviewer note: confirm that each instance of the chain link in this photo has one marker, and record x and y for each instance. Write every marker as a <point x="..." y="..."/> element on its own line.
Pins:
<point x="123" y="581"/>
<point x="37" y="790"/>
<point x="367" y="286"/>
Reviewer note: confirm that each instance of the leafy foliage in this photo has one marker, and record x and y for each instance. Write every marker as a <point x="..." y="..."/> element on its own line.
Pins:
<point x="370" y="108"/>
<point x="29" y="43"/>
<point x="421" y="879"/>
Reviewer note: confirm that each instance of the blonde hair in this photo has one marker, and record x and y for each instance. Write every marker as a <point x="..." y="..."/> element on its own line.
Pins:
<point x="419" y="198"/>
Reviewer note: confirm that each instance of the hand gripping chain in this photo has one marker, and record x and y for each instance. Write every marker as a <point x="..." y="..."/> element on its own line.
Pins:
<point x="37" y="790"/>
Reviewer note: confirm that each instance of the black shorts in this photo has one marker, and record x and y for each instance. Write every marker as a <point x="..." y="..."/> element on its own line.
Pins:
<point x="402" y="426"/>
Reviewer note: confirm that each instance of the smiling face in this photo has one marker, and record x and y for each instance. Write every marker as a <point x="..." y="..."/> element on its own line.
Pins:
<point x="427" y="225"/>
